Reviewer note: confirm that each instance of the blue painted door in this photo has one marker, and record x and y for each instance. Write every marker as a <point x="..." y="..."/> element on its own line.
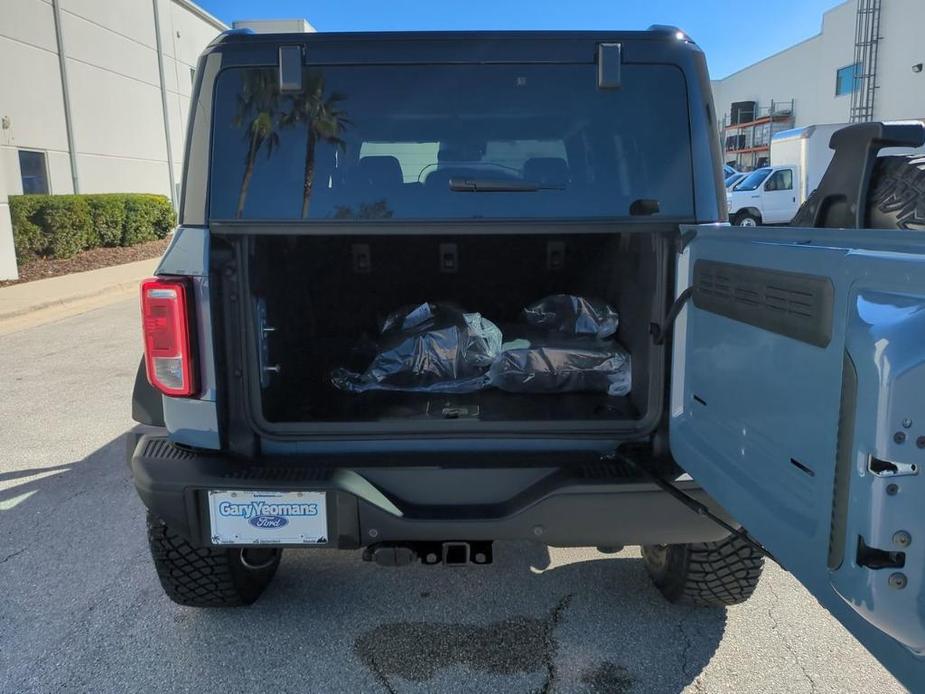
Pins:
<point x="798" y="402"/>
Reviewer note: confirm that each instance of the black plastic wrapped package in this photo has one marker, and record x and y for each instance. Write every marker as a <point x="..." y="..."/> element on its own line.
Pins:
<point x="432" y="348"/>
<point x="562" y="367"/>
<point x="573" y="315"/>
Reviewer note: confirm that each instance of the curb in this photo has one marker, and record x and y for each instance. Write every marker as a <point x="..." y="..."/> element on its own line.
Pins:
<point x="74" y="299"/>
<point x="34" y="303"/>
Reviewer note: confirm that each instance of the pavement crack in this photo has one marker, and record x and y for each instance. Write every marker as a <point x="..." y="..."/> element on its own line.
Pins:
<point x="775" y="626"/>
<point x="687" y="644"/>
<point x="551" y="646"/>
<point x="5" y="559"/>
<point x="381" y="676"/>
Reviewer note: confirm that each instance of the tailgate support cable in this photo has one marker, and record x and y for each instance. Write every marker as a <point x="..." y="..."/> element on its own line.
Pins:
<point x="692" y="503"/>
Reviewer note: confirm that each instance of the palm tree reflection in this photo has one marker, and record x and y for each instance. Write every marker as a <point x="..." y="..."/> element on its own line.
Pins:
<point x="257" y="110"/>
<point x="323" y="119"/>
<point x="260" y="113"/>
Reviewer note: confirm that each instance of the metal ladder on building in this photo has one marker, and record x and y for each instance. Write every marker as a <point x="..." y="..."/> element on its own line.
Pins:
<point x="866" y="49"/>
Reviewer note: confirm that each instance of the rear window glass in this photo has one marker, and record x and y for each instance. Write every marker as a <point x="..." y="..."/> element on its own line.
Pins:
<point x="407" y="142"/>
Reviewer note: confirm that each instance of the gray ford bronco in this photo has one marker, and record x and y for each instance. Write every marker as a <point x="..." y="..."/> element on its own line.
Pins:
<point x="429" y="291"/>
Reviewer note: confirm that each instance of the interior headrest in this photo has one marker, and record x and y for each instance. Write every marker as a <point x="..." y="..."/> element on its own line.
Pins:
<point x="548" y="170"/>
<point x="381" y="170"/>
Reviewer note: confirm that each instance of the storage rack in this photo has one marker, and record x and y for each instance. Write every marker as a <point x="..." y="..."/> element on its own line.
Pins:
<point x="746" y="143"/>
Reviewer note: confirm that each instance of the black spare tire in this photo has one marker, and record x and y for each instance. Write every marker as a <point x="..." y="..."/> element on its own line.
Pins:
<point x="897" y="193"/>
<point x="895" y="198"/>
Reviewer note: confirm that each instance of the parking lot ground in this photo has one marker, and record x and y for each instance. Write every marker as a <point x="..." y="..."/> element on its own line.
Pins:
<point x="82" y="609"/>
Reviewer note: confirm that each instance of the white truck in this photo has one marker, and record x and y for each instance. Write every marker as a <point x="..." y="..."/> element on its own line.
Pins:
<point x="773" y="194"/>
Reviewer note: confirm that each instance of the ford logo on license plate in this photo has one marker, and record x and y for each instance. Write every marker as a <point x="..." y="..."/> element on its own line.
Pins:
<point x="268" y="521"/>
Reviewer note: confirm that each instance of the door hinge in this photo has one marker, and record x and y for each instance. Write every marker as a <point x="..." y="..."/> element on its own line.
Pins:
<point x="659" y="331"/>
<point x="684" y="240"/>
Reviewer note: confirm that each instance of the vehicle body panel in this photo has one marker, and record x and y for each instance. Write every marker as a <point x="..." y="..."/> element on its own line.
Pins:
<point x="781" y="433"/>
<point x="194" y="421"/>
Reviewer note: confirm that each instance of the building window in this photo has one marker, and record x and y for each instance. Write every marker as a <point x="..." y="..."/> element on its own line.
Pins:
<point x="847" y="79"/>
<point x="33" y="172"/>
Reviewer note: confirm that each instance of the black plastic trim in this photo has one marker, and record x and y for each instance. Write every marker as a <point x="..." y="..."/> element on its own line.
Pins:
<point x="438" y="227"/>
<point x="147" y="402"/>
<point x="574" y="505"/>
<point x="844" y="456"/>
<point x="793" y="304"/>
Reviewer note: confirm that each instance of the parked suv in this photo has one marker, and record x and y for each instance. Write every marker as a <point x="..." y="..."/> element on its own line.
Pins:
<point x="435" y="290"/>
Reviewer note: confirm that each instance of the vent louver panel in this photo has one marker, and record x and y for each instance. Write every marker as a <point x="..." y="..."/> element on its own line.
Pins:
<point x="788" y="303"/>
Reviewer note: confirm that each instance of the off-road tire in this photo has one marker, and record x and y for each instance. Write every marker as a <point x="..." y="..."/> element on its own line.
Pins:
<point x="709" y="574"/>
<point x="208" y="576"/>
<point x="895" y="198"/>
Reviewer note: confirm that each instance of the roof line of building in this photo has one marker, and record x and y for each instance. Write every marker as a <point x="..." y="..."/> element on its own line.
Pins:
<point x="202" y="14"/>
<point x="788" y="48"/>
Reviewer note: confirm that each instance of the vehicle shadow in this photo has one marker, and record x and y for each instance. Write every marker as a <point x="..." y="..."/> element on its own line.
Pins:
<point x="535" y="620"/>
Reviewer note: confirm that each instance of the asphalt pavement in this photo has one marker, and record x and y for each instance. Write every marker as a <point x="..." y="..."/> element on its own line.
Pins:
<point x="82" y="610"/>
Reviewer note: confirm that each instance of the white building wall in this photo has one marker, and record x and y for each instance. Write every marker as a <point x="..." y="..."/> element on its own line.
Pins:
<point x="901" y="93"/>
<point x="114" y="84"/>
<point x="32" y="108"/>
<point x="806" y="72"/>
<point x="7" y="252"/>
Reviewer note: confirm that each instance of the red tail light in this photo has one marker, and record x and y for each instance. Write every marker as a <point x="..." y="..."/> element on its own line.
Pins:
<point x="168" y="345"/>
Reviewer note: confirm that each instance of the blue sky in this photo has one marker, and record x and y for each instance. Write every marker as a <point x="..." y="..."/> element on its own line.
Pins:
<point x="733" y="33"/>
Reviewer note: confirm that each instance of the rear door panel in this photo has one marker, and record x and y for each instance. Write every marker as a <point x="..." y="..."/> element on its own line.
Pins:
<point x="800" y="358"/>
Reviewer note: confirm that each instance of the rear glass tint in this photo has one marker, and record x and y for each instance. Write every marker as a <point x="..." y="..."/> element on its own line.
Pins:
<point x="385" y="142"/>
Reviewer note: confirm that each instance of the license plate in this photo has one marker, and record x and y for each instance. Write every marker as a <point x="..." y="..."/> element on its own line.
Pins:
<point x="268" y="518"/>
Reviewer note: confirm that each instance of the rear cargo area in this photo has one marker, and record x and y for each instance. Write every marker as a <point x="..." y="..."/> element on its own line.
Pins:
<point x="318" y="304"/>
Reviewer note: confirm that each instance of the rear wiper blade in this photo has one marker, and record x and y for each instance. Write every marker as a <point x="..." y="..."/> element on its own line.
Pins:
<point x="497" y="185"/>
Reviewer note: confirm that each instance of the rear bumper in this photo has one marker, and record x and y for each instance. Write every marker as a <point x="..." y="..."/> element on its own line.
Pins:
<point x="559" y="506"/>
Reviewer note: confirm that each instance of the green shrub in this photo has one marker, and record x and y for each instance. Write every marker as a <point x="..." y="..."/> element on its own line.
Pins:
<point x="108" y="212"/>
<point x="60" y="226"/>
<point x="140" y="216"/>
<point x="147" y="217"/>
<point x="166" y="218"/>
<point x="67" y="224"/>
<point x="28" y="238"/>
